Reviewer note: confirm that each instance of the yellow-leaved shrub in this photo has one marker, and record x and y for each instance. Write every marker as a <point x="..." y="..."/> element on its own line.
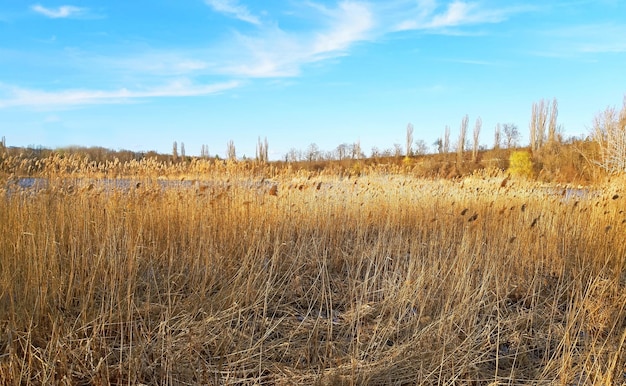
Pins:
<point x="521" y="164"/>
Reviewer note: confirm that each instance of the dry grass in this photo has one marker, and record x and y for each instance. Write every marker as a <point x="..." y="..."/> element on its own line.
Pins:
<point x="383" y="280"/>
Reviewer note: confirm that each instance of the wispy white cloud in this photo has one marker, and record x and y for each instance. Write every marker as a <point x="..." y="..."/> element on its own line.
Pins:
<point x="278" y="53"/>
<point x="457" y="13"/>
<point x="581" y="41"/>
<point x="594" y="38"/>
<point x="232" y="7"/>
<point x="155" y="63"/>
<point x="21" y="97"/>
<point x="64" y="11"/>
<point x="604" y="47"/>
<point x="351" y="22"/>
<point x="269" y="51"/>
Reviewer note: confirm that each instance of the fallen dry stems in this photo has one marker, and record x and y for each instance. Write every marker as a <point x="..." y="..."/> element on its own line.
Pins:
<point x="378" y="280"/>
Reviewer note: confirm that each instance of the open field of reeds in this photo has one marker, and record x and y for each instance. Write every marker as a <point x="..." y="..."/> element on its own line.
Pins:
<point x="312" y="279"/>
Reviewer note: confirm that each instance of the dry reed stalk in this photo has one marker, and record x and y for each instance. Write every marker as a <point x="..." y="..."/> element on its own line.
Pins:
<point x="164" y="286"/>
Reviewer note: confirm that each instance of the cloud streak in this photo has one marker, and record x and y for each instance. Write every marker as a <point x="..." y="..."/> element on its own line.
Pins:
<point x="233" y="8"/>
<point x="457" y="13"/>
<point x="268" y="51"/>
<point x="593" y="38"/>
<point x="351" y="22"/>
<point x="581" y="41"/>
<point x="64" y="11"/>
<point x="278" y="53"/>
<point x="274" y="52"/>
<point x="21" y="97"/>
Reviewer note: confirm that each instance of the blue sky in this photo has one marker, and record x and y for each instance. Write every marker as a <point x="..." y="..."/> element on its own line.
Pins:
<point x="140" y="75"/>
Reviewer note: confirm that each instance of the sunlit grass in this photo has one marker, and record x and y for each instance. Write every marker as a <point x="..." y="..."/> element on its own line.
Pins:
<point x="305" y="279"/>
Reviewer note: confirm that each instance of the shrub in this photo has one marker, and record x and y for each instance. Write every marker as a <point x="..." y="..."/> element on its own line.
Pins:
<point x="521" y="164"/>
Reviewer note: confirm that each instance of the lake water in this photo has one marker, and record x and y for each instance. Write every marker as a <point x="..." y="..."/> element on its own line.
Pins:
<point x="36" y="184"/>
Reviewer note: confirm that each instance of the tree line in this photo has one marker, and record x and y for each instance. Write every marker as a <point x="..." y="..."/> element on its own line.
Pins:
<point x="608" y="134"/>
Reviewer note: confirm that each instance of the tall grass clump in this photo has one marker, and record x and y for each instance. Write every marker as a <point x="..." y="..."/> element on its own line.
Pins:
<point x="377" y="280"/>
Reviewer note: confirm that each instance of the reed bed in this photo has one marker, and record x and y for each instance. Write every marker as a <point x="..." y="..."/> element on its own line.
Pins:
<point x="378" y="280"/>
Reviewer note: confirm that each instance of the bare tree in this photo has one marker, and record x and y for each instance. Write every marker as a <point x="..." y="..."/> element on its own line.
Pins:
<point x="446" y="140"/>
<point x="342" y="151"/>
<point x="420" y="147"/>
<point x="293" y="155"/>
<point x="409" y="139"/>
<point x="231" y="152"/>
<point x="533" y="127"/>
<point x="511" y="135"/>
<point x="175" y="151"/>
<point x="462" y="134"/>
<point x="538" y="120"/>
<point x="204" y="151"/>
<point x="476" y="137"/>
<point x="356" y="150"/>
<point x="388" y="152"/>
<point x="541" y="123"/>
<point x="397" y="150"/>
<point x="313" y="152"/>
<point x="497" y="137"/>
<point x="261" y="151"/>
<point x="609" y="131"/>
<point x="182" y="150"/>
<point x="439" y="145"/>
<point x="552" y="125"/>
<point x="350" y="152"/>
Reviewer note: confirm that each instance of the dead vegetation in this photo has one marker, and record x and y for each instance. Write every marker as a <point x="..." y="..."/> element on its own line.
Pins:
<point x="301" y="279"/>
